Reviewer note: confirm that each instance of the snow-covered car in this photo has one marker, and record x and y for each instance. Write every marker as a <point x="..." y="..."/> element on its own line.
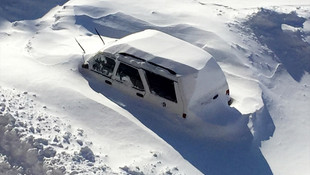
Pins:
<point x="161" y="69"/>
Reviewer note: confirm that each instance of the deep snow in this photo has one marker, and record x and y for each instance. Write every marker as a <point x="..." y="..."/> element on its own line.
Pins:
<point x="263" y="52"/>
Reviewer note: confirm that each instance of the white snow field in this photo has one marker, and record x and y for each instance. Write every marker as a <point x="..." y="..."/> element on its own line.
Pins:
<point x="57" y="119"/>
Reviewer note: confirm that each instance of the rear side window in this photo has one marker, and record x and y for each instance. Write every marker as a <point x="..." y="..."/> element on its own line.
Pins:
<point x="104" y="65"/>
<point x="161" y="86"/>
<point x="129" y="76"/>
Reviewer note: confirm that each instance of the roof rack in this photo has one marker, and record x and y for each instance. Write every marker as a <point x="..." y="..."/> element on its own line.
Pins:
<point x="169" y="70"/>
<point x="126" y="54"/>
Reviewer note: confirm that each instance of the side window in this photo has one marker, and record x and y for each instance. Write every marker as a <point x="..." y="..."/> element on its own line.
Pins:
<point x="129" y="76"/>
<point x="104" y="65"/>
<point x="161" y="86"/>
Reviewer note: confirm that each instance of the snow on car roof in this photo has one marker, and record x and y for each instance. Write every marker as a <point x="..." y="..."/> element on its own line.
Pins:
<point x="162" y="49"/>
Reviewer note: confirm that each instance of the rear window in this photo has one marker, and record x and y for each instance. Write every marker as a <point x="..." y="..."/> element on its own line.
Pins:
<point x="161" y="86"/>
<point x="104" y="65"/>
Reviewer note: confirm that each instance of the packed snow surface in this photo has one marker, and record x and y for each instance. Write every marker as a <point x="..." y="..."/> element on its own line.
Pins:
<point x="56" y="120"/>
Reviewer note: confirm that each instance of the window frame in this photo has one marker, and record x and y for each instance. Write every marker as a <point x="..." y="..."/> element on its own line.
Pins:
<point x="133" y="67"/>
<point x="173" y="99"/>
<point x="107" y="57"/>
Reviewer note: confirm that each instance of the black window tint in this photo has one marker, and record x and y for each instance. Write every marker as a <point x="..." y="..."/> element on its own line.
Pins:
<point x="104" y="65"/>
<point x="129" y="76"/>
<point x="161" y="86"/>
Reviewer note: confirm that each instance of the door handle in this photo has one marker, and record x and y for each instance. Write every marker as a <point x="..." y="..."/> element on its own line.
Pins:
<point x="139" y="94"/>
<point x="108" y="82"/>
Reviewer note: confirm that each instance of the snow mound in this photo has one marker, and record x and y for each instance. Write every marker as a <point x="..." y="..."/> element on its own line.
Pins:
<point x="36" y="142"/>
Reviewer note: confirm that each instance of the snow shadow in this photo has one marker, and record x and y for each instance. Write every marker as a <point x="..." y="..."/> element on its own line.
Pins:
<point x="16" y="10"/>
<point x="288" y="45"/>
<point x="263" y="125"/>
<point x="212" y="149"/>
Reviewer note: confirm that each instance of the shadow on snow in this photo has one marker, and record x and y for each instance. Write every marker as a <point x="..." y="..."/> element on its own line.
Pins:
<point x="15" y="10"/>
<point x="289" y="46"/>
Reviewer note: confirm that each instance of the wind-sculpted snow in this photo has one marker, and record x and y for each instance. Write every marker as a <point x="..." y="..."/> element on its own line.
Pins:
<point x="262" y="124"/>
<point x="118" y="25"/>
<point x="289" y="46"/>
<point x="113" y="25"/>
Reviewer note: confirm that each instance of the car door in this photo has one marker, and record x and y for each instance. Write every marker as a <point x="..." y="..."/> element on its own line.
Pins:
<point x="163" y="92"/>
<point x="104" y="65"/>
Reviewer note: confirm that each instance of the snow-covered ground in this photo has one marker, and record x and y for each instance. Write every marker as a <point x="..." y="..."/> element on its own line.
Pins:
<point x="56" y="119"/>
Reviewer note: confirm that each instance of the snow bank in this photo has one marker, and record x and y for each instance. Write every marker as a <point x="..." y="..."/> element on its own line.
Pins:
<point x="34" y="142"/>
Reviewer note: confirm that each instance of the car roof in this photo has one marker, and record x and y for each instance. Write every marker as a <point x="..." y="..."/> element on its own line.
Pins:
<point x="163" y="50"/>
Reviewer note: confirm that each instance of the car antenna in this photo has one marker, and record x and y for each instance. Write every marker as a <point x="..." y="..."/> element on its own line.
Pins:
<point x="80" y="47"/>
<point x="99" y="36"/>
